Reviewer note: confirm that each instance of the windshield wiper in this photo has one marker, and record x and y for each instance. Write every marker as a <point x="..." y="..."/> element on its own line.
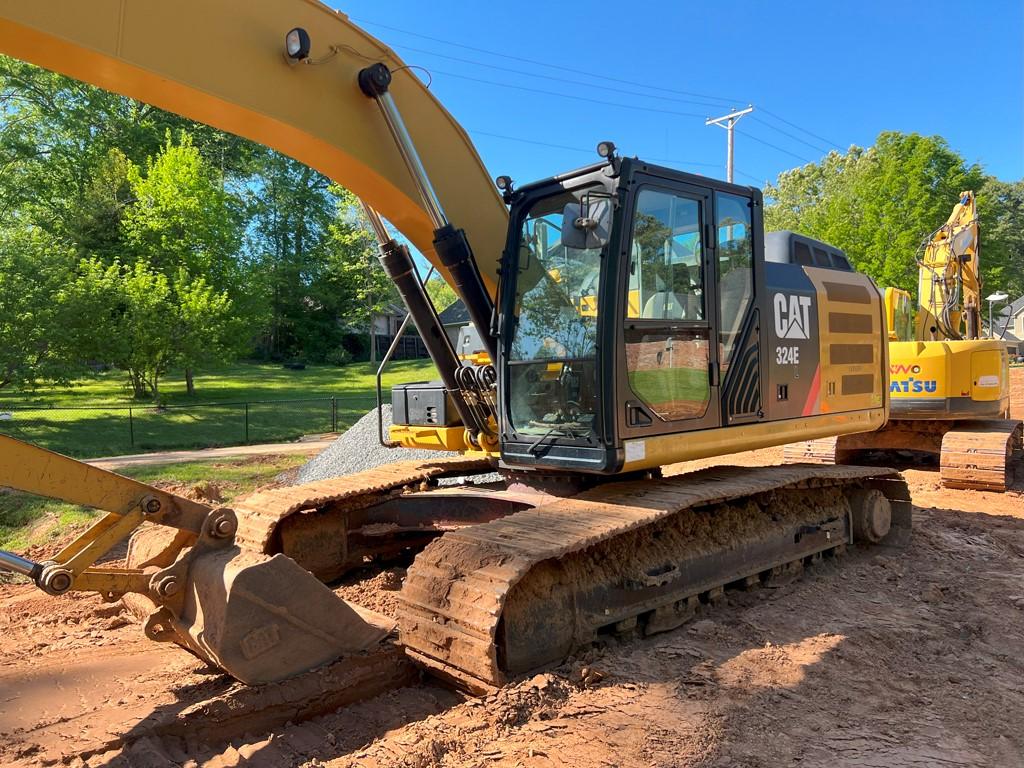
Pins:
<point x="541" y="439"/>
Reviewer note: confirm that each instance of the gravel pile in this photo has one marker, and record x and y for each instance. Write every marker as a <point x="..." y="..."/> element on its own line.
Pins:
<point x="358" y="449"/>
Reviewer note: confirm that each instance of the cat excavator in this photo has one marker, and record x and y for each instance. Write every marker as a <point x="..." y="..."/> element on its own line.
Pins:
<point x="950" y="387"/>
<point x="634" y="316"/>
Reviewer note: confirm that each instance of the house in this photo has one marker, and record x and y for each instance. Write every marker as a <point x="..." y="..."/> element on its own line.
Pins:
<point x="389" y="321"/>
<point x="1009" y="325"/>
<point x="386" y="326"/>
<point x="452" y="319"/>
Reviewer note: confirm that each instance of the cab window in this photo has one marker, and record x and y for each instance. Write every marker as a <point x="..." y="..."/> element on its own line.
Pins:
<point x="665" y="276"/>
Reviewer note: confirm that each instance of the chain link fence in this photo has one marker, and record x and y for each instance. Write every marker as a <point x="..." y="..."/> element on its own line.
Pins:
<point x="90" y="431"/>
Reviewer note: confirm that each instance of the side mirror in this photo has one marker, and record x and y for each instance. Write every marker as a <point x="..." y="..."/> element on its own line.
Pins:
<point x="587" y="226"/>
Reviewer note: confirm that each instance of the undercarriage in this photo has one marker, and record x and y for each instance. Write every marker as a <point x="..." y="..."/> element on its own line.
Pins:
<point x="508" y="579"/>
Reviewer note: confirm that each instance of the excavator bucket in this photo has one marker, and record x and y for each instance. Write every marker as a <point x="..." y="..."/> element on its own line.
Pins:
<point x="262" y="619"/>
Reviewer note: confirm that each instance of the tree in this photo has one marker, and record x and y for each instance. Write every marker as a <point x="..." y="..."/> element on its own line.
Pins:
<point x="120" y="314"/>
<point x="182" y="216"/>
<point x="365" y="290"/>
<point x="290" y="207"/>
<point x="33" y="341"/>
<point x="1001" y="215"/>
<point x="442" y="294"/>
<point x="143" y="322"/>
<point x="877" y="204"/>
<point x="184" y="224"/>
<point x="57" y="134"/>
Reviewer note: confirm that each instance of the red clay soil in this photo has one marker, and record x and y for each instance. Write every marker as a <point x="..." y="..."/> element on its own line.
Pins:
<point x="881" y="658"/>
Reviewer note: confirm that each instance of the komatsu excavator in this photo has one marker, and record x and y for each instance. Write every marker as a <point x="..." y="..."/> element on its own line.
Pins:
<point x="950" y="387"/>
<point x="633" y="316"/>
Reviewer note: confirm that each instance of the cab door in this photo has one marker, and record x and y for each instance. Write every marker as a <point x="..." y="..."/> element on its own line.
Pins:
<point x="669" y="357"/>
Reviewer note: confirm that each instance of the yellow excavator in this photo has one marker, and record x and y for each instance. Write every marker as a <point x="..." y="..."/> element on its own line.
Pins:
<point x="950" y="387"/>
<point x="633" y="316"/>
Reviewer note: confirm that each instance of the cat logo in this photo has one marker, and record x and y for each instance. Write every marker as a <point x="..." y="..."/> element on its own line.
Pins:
<point x="792" y="316"/>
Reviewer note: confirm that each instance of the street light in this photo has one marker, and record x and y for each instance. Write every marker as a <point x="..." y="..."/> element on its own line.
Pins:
<point x="992" y="299"/>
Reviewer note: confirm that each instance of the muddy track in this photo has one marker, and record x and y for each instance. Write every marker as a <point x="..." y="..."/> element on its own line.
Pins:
<point x="260" y="514"/>
<point x="458" y="589"/>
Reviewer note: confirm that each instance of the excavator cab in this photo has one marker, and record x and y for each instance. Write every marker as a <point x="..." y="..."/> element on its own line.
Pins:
<point x="630" y="315"/>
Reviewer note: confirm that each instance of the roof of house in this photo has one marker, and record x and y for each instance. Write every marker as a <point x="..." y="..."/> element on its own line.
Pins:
<point x="1013" y="308"/>
<point x="455" y="314"/>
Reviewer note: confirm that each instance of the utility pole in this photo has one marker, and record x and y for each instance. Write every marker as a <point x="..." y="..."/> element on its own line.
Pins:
<point x="729" y="123"/>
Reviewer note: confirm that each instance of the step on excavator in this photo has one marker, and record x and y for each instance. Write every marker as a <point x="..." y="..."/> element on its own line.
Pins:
<point x="633" y="316"/>
<point x="949" y="386"/>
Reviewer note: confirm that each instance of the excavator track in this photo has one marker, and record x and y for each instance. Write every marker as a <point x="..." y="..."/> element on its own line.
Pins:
<point x="979" y="454"/>
<point x="485" y="603"/>
<point x="260" y="514"/>
<point x="309" y="522"/>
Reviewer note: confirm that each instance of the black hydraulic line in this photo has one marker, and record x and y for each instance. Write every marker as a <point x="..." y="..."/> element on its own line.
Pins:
<point x="451" y="244"/>
<point x="398" y="264"/>
<point x="453" y="250"/>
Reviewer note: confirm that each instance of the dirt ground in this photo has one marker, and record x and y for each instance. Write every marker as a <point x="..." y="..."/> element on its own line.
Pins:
<point x="881" y="658"/>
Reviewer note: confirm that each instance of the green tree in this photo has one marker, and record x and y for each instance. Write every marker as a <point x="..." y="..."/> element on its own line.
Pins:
<point x="56" y="139"/>
<point x="182" y="216"/>
<point x="121" y="315"/>
<point x="33" y="341"/>
<point x="1001" y="215"/>
<point x="290" y="208"/>
<point x="362" y="289"/>
<point x="442" y="294"/>
<point x="184" y="224"/>
<point x="138" y="319"/>
<point x="877" y="204"/>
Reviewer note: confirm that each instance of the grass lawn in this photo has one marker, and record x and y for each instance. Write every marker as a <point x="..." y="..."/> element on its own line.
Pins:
<point x="91" y="418"/>
<point x="238" y="382"/>
<point x="33" y="521"/>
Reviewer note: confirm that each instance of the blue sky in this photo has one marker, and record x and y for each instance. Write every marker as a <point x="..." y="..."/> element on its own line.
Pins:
<point x="820" y="75"/>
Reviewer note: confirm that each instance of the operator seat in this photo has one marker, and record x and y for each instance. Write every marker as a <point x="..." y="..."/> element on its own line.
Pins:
<point x="670" y="305"/>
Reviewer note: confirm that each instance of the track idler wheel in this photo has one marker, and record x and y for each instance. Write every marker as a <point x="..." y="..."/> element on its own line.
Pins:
<point x="872" y="515"/>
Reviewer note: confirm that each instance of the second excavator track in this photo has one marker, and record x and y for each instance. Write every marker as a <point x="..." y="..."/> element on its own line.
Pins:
<point x="979" y="454"/>
<point x="490" y="601"/>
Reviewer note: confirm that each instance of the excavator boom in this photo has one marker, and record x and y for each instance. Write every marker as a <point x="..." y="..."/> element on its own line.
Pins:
<point x="223" y="63"/>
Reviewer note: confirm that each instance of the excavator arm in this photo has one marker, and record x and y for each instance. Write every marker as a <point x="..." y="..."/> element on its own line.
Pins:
<point x="949" y="277"/>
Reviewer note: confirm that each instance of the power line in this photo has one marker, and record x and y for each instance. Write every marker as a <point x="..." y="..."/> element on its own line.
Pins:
<point x="804" y="130"/>
<point x="592" y="100"/>
<point x="749" y="176"/>
<point x="774" y="146"/>
<point x="528" y="141"/>
<point x="566" y="95"/>
<point x="607" y="78"/>
<point x="545" y="64"/>
<point x="674" y="161"/>
<point x="556" y="79"/>
<point x="792" y="136"/>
